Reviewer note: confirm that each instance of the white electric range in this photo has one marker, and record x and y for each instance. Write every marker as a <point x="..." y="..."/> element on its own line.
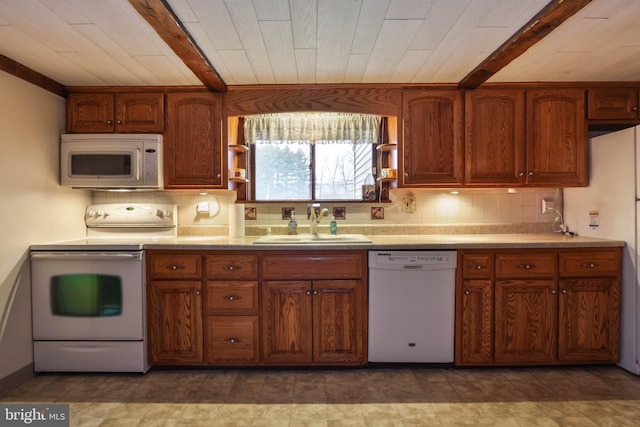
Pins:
<point x="88" y="295"/>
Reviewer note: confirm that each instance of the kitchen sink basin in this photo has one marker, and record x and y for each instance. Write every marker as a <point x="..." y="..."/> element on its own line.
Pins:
<point x="311" y="239"/>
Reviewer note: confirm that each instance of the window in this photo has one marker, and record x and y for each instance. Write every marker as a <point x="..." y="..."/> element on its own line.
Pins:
<point x="311" y="156"/>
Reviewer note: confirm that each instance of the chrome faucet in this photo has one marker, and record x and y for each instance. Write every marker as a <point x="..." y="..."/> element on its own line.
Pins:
<point x="314" y="219"/>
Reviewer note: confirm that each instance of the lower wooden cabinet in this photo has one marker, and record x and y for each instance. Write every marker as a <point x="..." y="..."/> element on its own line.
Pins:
<point x="210" y="307"/>
<point x="174" y="311"/>
<point x="319" y="322"/>
<point x="538" y="307"/>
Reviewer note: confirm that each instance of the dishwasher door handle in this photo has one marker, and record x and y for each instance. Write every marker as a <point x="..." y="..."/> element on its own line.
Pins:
<point x="413" y="267"/>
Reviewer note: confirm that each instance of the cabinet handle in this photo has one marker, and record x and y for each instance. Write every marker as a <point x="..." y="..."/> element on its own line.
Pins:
<point x="467" y="292"/>
<point x="233" y="340"/>
<point x="231" y="267"/>
<point x="526" y="266"/>
<point x="590" y="265"/>
<point x="176" y="267"/>
<point x="231" y="297"/>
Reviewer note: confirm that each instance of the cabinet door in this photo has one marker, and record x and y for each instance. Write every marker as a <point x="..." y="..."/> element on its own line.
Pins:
<point x="613" y="103"/>
<point x="494" y="137"/>
<point x="556" y="137"/>
<point x="175" y="322"/>
<point x="193" y="143"/>
<point x="432" y="140"/>
<point x="90" y="112"/>
<point x="140" y="112"/>
<point x="338" y="322"/>
<point x="286" y="322"/>
<point x="476" y="323"/>
<point x="589" y="320"/>
<point x="525" y="321"/>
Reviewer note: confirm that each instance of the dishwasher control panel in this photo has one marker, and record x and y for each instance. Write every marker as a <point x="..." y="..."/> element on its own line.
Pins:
<point x="412" y="259"/>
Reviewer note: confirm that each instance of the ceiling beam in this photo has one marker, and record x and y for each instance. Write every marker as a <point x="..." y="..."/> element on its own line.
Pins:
<point x="27" y="74"/>
<point x="545" y="21"/>
<point x="164" y="21"/>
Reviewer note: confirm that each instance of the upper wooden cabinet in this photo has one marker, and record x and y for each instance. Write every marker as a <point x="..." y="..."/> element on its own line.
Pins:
<point x="193" y="148"/>
<point x="115" y="112"/>
<point x="432" y="138"/>
<point x="613" y="104"/>
<point x="494" y="136"/>
<point x="556" y="129"/>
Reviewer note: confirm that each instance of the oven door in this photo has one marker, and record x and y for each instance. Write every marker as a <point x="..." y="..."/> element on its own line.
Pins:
<point x="88" y="295"/>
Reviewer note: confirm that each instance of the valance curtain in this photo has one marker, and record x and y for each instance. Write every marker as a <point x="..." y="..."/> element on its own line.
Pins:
<point x="312" y="128"/>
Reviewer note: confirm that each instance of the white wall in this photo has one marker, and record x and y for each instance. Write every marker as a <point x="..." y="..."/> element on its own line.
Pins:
<point x="33" y="207"/>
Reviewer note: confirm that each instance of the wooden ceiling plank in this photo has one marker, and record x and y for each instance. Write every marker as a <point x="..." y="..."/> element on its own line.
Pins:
<point x="545" y="21"/>
<point x="25" y="73"/>
<point x="158" y="14"/>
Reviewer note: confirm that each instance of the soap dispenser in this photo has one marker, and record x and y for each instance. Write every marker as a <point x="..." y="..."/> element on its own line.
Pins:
<point x="333" y="226"/>
<point x="292" y="227"/>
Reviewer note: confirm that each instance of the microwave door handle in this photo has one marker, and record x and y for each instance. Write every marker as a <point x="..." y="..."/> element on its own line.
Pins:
<point x="138" y="164"/>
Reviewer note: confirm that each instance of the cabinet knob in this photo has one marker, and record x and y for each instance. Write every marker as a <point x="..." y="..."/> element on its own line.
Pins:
<point x="467" y="292"/>
<point x="218" y="175"/>
<point x="109" y="122"/>
<point x="564" y="291"/>
<point x="521" y="174"/>
<point x="406" y="174"/>
<point x="308" y="292"/>
<point x="531" y="173"/>
<point x="231" y="267"/>
<point x="233" y="340"/>
<point x="231" y="297"/>
<point x="176" y="267"/>
<point x="315" y="292"/>
<point x="635" y="108"/>
<point x="553" y="291"/>
<point x="479" y="267"/>
<point x="197" y="291"/>
<point x="590" y="265"/>
<point x="119" y="122"/>
<point x="526" y="266"/>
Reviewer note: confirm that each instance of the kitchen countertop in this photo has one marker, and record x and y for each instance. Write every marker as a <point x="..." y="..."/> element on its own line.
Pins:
<point x="389" y="242"/>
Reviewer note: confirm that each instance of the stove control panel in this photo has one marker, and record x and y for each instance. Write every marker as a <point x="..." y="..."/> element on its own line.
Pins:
<point x="116" y="215"/>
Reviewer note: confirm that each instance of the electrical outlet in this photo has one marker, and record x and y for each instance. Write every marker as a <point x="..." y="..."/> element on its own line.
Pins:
<point x="409" y="204"/>
<point x="547" y="205"/>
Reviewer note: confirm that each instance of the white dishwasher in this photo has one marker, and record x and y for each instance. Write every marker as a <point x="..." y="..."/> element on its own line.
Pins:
<point x="411" y="306"/>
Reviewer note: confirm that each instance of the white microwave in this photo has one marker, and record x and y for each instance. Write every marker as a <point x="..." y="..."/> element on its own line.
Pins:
<point x="111" y="161"/>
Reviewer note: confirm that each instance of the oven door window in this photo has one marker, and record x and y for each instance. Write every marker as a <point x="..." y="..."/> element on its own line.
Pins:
<point x="86" y="295"/>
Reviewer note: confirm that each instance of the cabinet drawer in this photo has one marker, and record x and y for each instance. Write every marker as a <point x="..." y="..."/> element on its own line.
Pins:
<point x="235" y="267"/>
<point x="312" y="266"/>
<point x="232" y="297"/>
<point x="594" y="263"/>
<point x="526" y="265"/>
<point x="172" y="266"/>
<point x="477" y="265"/>
<point x="232" y="339"/>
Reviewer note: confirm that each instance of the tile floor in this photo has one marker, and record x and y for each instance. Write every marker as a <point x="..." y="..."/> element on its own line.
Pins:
<point x="394" y="397"/>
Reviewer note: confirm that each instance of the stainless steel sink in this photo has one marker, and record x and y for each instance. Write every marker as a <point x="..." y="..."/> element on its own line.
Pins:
<point x="311" y="239"/>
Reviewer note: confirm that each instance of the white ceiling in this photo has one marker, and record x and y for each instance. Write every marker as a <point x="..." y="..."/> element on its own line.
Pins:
<point x="107" y="43"/>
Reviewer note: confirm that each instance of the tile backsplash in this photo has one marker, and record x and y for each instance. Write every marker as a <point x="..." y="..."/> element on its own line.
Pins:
<point x="472" y="210"/>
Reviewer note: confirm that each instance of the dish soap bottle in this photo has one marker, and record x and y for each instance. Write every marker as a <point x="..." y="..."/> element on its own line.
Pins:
<point x="333" y="226"/>
<point x="292" y="227"/>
